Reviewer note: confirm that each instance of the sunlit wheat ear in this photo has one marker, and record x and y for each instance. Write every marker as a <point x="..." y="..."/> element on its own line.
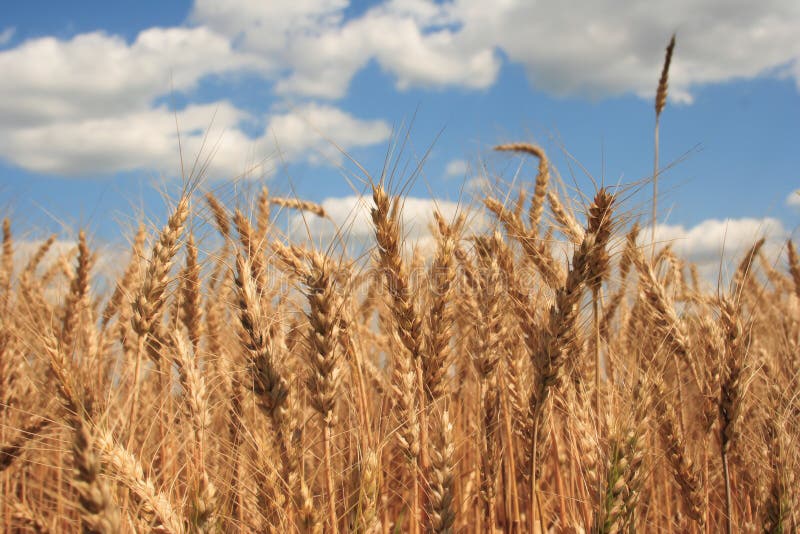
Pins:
<point x="192" y="310"/>
<point x="300" y="205"/>
<point x="220" y="214"/>
<point x="566" y="220"/>
<point x="684" y="471"/>
<point x="794" y="265"/>
<point x="441" y="276"/>
<point x="99" y="512"/>
<point x="663" y="81"/>
<point x="326" y="371"/>
<point x="263" y="220"/>
<point x="128" y="471"/>
<point x="150" y="298"/>
<point x="442" y="509"/>
<point x="536" y="249"/>
<point x="542" y="180"/>
<point x="6" y="261"/>
<point x="124" y="285"/>
<point x="407" y="376"/>
<point x="660" y="102"/>
<point x="78" y="298"/>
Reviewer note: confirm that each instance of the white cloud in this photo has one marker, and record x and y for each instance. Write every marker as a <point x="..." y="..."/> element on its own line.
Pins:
<point x="88" y="103"/>
<point x="600" y="48"/>
<point x="311" y="128"/>
<point x="87" y="106"/>
<point x="148" y="140"/>
<point x="456" y="168"/>
<point x="351" y="215"/>
<point x="716" y="244"/>
<point x="97" y="75"/>
<point x="413" y="40"/>
<point x="6" y="35"/>
<point x="141" y="139"/>
<point x="793" y="199"/>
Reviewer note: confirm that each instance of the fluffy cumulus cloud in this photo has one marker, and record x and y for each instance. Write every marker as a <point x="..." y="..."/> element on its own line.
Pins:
<point x="209" y="133"/>
<point x="317" y="130"/>
<point x="599" y="48"/>
<point x="88" y="105"/>
<point x="98" y="75"/>
<point x="320" y="50"/>
<point x="717" y="246"/>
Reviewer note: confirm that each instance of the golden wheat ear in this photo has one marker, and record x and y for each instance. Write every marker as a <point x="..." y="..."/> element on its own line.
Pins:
<point x="660" y="102"/>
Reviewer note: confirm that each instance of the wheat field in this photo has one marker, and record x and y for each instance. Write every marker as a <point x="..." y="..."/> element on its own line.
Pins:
<point x="553" y="370"/>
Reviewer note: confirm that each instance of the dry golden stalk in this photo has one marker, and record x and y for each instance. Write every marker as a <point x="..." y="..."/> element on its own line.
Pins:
<point x="203" y="501"/>
<point x="24" y="516"/>
<point x="486" y="355"/>
<point x="598" y="269"/>
<point x="326" y="373"/>
<point x="732" y="386"/>
<point x="292" y="259"/>
<point x="263" y="220"/>
<point x="567" y="222"/>
<point x="366" y="511"/>
<point x="490" y="454"/>
<point x="220" y="215"/>
<point x="542" y="180"/>
<point x="191" y="304"/>
<point x="614" y="303"/>
<point x="794" y="265"/>
<point x="150" y="298"/>
<point x="441" y="506"/>
<point x="599" y="224"/>
<point x="661" y="101"/>
<point x="99" y="513"/>
<point x="148" y="304"/>
<point x="253" y="248"/>
<point x="535" y="249"/>
<point x="271" y="389"/>
<point x="731" y="390"/>
<point x="300" y="205"/>
<point x="385" y="217"/>
<point x="6" y="263"/>
<point x="127" y="469"/>
<point x="663" y="81"/>
<point x="549" y="361"/>
<point x="78" y="297"/>
<point x="778" y="502"/>
<point x="9" y="453"/>
<point x="683" y="469"/>
<point x="326" y="376"/>
<point x="38" y="256"/>
<point x="269" y="384"/>
<point x="662" y="315"/>
<point x="744" y="271"/>
<point x="439" y="320"/>
<point x="407" y="377"/>
<point x="125" y="284"/>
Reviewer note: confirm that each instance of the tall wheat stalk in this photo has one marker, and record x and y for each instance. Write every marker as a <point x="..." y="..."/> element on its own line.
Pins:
<point x="661" y="101"/>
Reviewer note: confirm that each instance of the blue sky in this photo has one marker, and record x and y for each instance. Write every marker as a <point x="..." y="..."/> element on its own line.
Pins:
<point x="91" y="91"/>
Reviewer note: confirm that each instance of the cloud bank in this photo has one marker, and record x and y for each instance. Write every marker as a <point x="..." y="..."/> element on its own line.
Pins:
<point x="93" y="103"/>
